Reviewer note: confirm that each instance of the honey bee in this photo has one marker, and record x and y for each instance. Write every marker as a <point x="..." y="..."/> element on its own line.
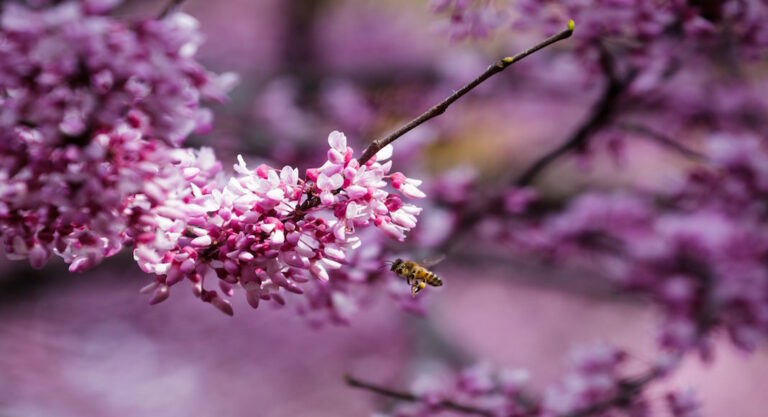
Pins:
<point x="417" y="275"/>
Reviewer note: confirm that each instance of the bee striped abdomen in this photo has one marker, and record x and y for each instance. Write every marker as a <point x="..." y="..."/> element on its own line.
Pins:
<point x="433" y="280"/>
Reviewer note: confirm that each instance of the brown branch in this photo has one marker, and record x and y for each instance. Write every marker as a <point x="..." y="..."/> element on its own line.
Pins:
<point x="169" y="8"/>
<point x="440" y="108"/>
<point x="601" y="114"/>
<point x="407" y="396"/>
<point x="627" y="391"/>
<point x="663" y="140"/>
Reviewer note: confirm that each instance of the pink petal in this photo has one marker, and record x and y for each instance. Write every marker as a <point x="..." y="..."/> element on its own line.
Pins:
<point x="338" y="141"/>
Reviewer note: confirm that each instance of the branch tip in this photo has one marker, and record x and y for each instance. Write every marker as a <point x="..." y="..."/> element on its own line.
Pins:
<point x="571" y="25"/>
<point x="441" y="107"/>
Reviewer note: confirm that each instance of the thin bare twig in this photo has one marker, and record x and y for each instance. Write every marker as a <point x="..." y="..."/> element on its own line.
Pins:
<point x="407" y="396"/>
<point x="663" y="140"/>
<point x="628" y="389"/>
<point x="169" y="8"/>
<point x="440" y="108"/>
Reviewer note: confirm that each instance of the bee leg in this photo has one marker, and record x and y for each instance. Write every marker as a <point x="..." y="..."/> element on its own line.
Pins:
<point x="417" y="287"/>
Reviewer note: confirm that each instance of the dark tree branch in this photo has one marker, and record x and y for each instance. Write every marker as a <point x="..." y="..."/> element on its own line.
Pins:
<point x="299" y="55"/>
<point x="169" y="8"/>
<point x="601" y="114"/>
<point x="628" y="391"/>
<point x="440" y="108"/>
<point x="409" y="397"/>
<point x="663" y="140"/>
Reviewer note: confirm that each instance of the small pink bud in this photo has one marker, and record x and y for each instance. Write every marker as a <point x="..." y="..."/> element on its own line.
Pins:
<point x="319" y="271"/>
<point x="312" y="174"/>
<point x="253" y="296"/>
<point x="38" y="256"/>
<point x="202" y="241"/>
<point x="335" y="156"/>
<point x="160" y="295"/>
<point x="223" y="306"/>
<point x="410" y="190"/>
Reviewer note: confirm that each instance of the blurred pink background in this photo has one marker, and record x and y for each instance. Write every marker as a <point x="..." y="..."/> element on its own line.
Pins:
<point x="89" y="345"/>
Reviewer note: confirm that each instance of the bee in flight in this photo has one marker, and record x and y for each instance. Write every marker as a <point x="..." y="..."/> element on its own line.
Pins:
<point x="416" y="274"/>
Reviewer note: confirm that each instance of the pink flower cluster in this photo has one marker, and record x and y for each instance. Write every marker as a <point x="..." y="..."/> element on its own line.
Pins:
<point x="253" y="230"/>
<point x="650" y="36"/>
<point x="683" y="404"/>
<point x="640" y="22"/>
<point x="92" y="108"/>
<point x="597" y="383"/>
<point x="73" y="200"/>
<point x="470" y="18"/>
<point x="596" y="376"/>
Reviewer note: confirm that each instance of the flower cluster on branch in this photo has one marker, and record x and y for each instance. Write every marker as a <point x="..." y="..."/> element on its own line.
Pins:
<point x="597" y="383"/>
<point x="251" y="230"/>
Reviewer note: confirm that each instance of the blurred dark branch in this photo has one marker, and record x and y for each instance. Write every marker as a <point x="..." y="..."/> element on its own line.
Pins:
<point x="663" y="140"/>
<point x="440" y="108"/>
<point x="628" y="391"/>
<point x="23" y="282"/>
<point x="299" y="53"/>
<point x="169" y="8"/>
<point x="601" y="114"/>
<point x="409" y="397"/>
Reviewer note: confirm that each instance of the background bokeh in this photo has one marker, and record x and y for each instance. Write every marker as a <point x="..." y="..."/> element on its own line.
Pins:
<point x="87" y="344"/>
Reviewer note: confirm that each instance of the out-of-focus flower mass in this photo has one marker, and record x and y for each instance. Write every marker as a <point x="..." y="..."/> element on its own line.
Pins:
<point x="697" y="250"/>
<point x="92" y="108"/>
<point x="595" y="383"/>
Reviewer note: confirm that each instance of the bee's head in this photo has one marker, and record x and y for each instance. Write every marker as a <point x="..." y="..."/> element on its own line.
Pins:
<point x="395" y="264"/>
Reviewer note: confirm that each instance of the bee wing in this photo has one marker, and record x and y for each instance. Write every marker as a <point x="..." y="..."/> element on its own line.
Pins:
<point x="433" y="260"/>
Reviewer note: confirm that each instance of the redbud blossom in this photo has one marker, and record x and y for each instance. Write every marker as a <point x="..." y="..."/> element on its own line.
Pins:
<point x="249" y="230"/>
<point x="92" y="107"/>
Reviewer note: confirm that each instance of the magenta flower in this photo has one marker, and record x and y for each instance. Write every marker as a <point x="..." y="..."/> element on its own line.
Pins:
<point x="596" y="384"/>
<point x="91" y="108"/>
<point x="250" y="231"/>
<point x="683" y="404"/>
